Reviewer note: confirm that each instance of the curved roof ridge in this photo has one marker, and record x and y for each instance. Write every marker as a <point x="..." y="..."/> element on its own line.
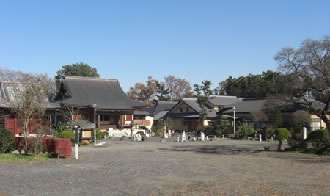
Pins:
<point x="89" y="78"/>
<point x="223" y="96"/>
<point x="189" y="98"/>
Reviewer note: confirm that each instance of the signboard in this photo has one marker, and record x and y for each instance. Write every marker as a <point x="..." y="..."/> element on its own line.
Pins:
<point x="86" y="134"/>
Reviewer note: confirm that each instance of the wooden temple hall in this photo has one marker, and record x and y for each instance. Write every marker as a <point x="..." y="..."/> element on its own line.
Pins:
<point x="99" y="101"/>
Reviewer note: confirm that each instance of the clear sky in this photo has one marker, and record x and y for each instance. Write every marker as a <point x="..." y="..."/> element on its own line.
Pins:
<point x="132" y="39"/>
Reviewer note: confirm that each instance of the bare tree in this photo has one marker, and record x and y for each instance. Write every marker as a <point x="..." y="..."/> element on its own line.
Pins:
<point x="9" y="75"/>
<point x="144" y="92"/>
<point x="29" y="101"/>
<point x="69" y="114"/>
<point x="17" y="76"/>
<point x="300" y="119"/>
<point x="308" y="71"/>
<point x="179" y="88"/>
<point x="42" y="129"/>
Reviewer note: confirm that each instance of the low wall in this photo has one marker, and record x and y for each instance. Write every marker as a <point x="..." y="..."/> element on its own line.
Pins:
<point x="123" y="132"/>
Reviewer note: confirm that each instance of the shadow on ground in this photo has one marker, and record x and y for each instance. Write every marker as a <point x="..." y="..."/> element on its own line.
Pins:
<point x="301" y="157"/>
<point x="214" y="149"/>
<point x="248" y="150"/>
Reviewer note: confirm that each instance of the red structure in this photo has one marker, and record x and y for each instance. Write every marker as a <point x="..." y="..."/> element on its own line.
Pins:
<point x="16" y="125"/>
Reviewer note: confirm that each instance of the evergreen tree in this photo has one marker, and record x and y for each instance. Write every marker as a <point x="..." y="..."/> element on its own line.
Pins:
<point x="203" y="93"/>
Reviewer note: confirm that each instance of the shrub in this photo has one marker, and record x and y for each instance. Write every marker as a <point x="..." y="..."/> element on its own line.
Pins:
<point x="157" y="128"/>
<point x="63" y="147"/>
<point x="245" y="131"/>
<point x="59" y="127"/>
<point x="218" y="133"/>
<point x="7" y="141"/>
<point x="223" y="126"/>
<point x="159" y="132"/>
<point x="282" y="134"/>
<point x="59" y="147"/>
<point x="319" y="138"/>
<point x="100" y="134"/>
<point x="66" y="134"/>
<point x="296" y="140"/>
<point x="33" y="145"/>
<point x="269" y="132"/>
<point x="320" y="135"/>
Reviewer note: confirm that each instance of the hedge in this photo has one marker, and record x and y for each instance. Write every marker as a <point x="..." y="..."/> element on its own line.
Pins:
<point x="57" y="146"/>
<point x="7" y="142"/>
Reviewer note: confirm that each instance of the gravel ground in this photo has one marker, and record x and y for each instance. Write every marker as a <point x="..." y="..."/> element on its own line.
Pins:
<point x="220" y="167"/>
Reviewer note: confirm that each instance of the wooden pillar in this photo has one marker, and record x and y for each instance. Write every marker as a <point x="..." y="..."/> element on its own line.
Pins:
<point x="98" y="120"/>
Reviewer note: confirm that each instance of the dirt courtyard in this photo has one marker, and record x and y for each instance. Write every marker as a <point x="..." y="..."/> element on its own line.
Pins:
<point x="220" y="167"/>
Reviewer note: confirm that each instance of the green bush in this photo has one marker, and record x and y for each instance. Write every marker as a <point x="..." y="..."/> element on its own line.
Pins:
<point x="100" y="134"/>
<point x="223" y="126"/>
<point x="319" y="138"/>
<point x="59" y="127"/>
<point x="7" y="141"/>
<point x="159" y="132"/>
<point x="320" y="135"/>
<point x="282" y="134"/>
<point x="67" y="134"/>
<point x="245" y="131"/>
<point x="218" y="132"/>
<point x="157" y="128"/>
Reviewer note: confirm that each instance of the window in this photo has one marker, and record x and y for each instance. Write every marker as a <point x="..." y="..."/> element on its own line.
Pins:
<point x="139" y="117"/>
<point x="187" y="109"/>
<point x="315" y="124"/>
<point x="104" y="118"/>
<point x="181" y="109"/>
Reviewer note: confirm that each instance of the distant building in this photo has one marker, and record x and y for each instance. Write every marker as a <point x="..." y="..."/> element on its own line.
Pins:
<point x="185" y="114"/>
<point x="245" y="109"/>
<point x="161" y="108"/>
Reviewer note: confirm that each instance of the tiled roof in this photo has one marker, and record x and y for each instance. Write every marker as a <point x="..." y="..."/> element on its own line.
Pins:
<point x="221" y="100"/>
<point x="105" y="93"/>
<point x="161" y="108"/>
<point x="246" y="106"/>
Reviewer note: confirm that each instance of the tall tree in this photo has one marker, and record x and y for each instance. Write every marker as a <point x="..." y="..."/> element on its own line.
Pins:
<point x="153" y="90"/>
<point x="179" y="88"/>
<point x="308" y="71"/>
<point x="17" y="76"/>
<point x="144" y="92"/>
<point x="203" y="93"/>
<point x="268" y="83"/>
<point x="222" y="126"/>
<point x="78" y="69"/>
<point x="162" y="93"/>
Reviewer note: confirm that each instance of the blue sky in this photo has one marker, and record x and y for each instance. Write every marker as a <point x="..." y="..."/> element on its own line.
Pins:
<point x="132" y="39"/>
